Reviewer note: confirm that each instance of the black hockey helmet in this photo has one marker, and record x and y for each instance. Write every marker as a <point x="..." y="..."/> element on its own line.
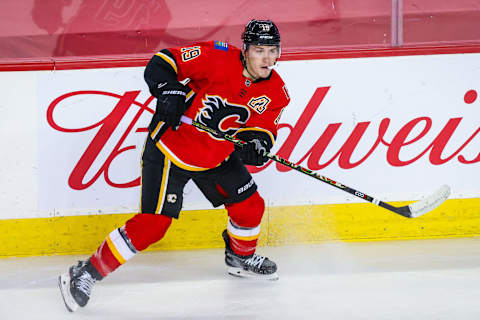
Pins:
<point x="262" y="33"/>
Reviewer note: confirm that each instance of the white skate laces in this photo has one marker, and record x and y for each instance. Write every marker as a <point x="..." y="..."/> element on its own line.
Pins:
<point x="255" y="261"/>
<point x="85" y="283"/>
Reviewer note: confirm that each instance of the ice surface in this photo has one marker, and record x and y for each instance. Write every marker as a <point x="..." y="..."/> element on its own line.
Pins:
<point x="416" y="279"/>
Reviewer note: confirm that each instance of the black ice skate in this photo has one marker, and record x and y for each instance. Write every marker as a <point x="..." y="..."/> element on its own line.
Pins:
<point x="252" y="266"/>
<point x="76" y="284"/>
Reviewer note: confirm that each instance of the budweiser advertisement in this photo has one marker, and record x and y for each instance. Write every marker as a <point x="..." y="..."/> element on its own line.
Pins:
<point x="393" y="127"/>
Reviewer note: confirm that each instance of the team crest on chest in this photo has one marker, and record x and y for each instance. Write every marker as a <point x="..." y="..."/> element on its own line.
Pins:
<point x="259" y="104"/>
<point x="221" y="115"/>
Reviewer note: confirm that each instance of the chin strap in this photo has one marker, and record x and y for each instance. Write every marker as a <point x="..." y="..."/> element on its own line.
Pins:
<point x="244" y="62"/>
<point x="253" y="78"/>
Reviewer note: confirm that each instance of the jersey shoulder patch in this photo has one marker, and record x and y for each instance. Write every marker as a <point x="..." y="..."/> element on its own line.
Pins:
<point x="219" y="45"/>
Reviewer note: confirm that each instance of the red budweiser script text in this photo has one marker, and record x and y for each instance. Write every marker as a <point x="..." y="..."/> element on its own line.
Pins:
<point x="410" y="133"/>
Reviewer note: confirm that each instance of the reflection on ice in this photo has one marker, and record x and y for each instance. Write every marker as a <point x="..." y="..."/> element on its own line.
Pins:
<point x="421" y="279"/>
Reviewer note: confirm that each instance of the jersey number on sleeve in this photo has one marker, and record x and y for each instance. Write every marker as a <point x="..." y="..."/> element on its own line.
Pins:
<point x="190" y="53"/>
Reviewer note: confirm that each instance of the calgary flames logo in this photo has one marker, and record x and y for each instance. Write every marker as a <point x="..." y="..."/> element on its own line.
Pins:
<point x="217" y="113"/>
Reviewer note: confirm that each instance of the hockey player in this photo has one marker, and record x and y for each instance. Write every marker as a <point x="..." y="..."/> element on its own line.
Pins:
<point x="230" y="90"/>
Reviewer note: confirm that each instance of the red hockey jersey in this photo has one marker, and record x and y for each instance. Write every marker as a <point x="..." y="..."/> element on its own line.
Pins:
<point x="224" y="100"/>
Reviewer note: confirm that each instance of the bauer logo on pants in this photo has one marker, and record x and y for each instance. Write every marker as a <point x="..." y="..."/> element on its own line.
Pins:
<point x="246" y="187"/>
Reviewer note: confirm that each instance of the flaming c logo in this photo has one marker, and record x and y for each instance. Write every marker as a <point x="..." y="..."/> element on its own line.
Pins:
<point x="217" y="113"/>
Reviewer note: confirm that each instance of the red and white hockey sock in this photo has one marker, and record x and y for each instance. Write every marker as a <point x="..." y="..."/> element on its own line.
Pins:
<point x="123" y="243"/>
<point x="244" y="224"/>
<point x="243" y="240"/>
<point x="114" y="251"/>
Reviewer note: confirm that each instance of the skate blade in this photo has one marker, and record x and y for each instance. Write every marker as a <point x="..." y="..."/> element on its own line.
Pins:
<point x="239" y="272"/>
<point x="64" y="285"/>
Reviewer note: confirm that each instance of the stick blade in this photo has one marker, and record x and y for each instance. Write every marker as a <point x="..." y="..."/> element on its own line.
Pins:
<point x="429" y="203"/>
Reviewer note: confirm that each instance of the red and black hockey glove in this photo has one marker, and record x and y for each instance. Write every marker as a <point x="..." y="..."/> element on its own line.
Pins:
<point x="171" y="103"/>
<point x="255" y="150"/>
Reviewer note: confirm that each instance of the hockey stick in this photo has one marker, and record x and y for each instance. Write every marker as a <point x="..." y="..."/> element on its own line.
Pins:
<point x="412" y="210"/>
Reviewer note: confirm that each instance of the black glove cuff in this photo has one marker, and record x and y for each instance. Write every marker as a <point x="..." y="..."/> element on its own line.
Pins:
<point x="173" y="88"/>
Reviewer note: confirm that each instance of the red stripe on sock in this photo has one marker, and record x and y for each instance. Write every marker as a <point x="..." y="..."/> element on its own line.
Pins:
<point x="243" y="247"/>
<point x="104" y="261"/>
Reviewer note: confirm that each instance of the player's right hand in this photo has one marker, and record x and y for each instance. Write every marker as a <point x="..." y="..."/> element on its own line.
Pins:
<point x="171" y="103"/>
